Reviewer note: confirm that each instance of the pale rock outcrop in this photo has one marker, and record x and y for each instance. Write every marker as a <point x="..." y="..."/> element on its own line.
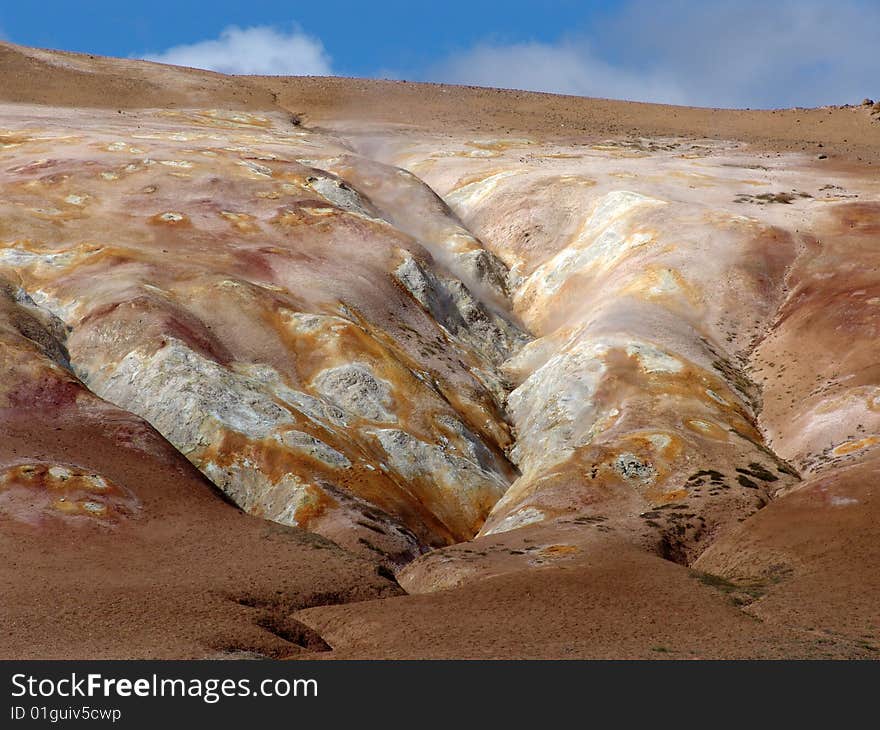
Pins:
<point x="207" y="274"/>
<point x="460" y="313"/>
<point x="546" y="336"/>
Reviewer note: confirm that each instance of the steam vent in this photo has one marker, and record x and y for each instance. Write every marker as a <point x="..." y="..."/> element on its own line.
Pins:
<point x="317" y="365"/>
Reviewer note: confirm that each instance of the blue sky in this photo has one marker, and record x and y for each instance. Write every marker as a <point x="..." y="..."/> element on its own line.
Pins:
<point x="723" y="53"/>
<point x="361" y="37"/>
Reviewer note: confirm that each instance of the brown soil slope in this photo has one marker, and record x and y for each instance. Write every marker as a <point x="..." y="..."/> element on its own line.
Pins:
<point x="60" y="78"/>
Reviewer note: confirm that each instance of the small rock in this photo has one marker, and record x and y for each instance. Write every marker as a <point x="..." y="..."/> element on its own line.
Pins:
<point x="631" y="467"/>
<point x="821" y="157"/>
<point x="867" y="102"/>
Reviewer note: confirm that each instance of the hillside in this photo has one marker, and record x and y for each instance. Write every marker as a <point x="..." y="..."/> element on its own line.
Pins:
<point x="584" y="378"/>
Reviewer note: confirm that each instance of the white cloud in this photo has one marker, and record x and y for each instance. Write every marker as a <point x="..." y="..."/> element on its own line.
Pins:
<point x="564" y="68"/>
<point x="257" y="50"/>
<point x="744" y="53"/>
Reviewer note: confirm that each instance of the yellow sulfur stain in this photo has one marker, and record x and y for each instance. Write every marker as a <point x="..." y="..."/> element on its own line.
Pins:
<point x="40" y="489"/>
<point x="661" y="282"/>
<point x="848" y="447"/>
<point x="558" y="551"/>
<point x="170" y="218"/>
<point x="241" y="221"/>
<point x="706" y="428"/>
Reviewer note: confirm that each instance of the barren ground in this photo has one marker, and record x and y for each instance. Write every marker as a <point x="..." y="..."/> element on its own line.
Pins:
<point x="780" y="567"/>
